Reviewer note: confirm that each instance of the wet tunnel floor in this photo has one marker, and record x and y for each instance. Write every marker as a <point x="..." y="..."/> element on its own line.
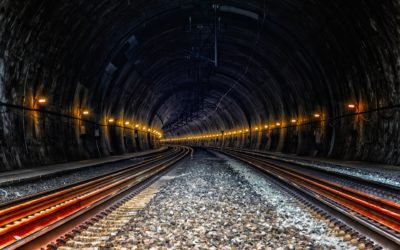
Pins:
<point x="216" y="202"/>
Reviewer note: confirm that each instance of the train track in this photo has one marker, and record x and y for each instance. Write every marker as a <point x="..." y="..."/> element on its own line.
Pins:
<point x="370" y="207"/>
<point x="35" y="221"/>
<point x="95" y="233"/>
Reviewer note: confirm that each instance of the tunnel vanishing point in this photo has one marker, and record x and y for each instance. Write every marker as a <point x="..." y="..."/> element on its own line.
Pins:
<point x="82" y="79"/>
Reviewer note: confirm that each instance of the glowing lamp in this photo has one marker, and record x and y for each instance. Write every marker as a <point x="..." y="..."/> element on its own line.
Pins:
<point x="278" y="124"/>
<point x="111" y="120"/>
<point x="351" y="106"/>
<point x="86" y="112"/>
<point x="317" y="115"/>
<point x="294" y="120"/>
<point x="42" y="100"/>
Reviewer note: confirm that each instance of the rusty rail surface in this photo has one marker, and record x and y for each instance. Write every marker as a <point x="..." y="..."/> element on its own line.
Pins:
<point x="22" y="221"/>
<point x="381" y="214"/>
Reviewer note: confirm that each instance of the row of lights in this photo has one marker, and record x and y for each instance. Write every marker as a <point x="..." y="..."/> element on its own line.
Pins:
<point x="85" y="112"/>
<point x="136" y="126"/>
<point x="235" y="132"/>
<point x="243" y="131"/>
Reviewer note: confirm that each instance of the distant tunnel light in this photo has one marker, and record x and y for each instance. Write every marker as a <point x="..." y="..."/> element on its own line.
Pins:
<point x="351" y="106"/>
<point x="42" y="100"/>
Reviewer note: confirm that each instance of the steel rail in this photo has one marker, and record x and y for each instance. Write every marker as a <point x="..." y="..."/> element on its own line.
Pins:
<point x="372" y="209"/>
<point x="274" y="159"/>
<point x="22" y="220"/>
<point x="11" y="211"/>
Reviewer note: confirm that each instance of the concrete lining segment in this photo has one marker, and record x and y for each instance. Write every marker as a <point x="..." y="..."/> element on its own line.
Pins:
<point x="239" y="11"/>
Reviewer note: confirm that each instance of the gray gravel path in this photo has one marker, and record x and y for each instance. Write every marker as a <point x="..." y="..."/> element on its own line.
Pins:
<point x="217" y="203"/>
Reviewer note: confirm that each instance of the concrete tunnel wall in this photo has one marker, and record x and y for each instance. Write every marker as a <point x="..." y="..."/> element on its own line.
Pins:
<point x="278" y="60"/>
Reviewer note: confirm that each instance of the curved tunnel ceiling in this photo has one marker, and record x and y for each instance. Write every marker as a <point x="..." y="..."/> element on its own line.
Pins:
<point x="153" y="61"/>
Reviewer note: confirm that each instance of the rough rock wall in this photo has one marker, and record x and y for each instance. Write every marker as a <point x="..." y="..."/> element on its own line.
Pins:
<point x="128" y="59"/>
<point x="38" y="59"/>
<point x="354" y="57"/>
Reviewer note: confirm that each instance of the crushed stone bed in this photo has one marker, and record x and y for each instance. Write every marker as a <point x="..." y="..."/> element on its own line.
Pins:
<point x="391" y="177"/>
<point x="15" y="191"/>
<point x="218" y="203"/>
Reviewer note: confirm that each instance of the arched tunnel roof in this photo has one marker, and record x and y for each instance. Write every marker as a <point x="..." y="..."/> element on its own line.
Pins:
<point x="200" y="66"/>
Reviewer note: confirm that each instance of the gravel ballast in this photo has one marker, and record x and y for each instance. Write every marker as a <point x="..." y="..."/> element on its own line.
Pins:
<point x="368" y="172"/>
<point x="217" y="203"/>
<point x="16" y="191"/>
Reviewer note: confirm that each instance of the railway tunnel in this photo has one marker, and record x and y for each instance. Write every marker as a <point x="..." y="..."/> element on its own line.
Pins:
<point x="189" y="69"/>
<point x="85" y="80"/>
